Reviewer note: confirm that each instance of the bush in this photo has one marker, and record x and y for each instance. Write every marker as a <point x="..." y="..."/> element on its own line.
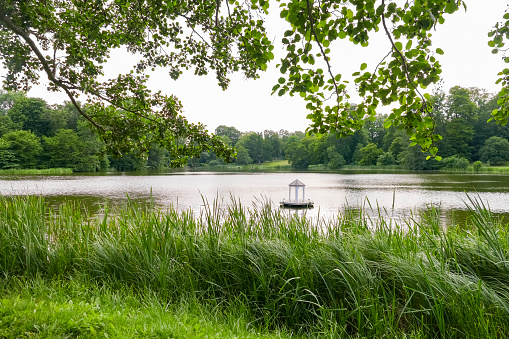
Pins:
<point x="386" y="159"/>
<point x="477" y="166"/>
<point x="370" y="154"/>
<point x="455" y="162"/>
<point x="495" y="150"/>
<point x="215" y="163"/>
<point x="336" y="160"/>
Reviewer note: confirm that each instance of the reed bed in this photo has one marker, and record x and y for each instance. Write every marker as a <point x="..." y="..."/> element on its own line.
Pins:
<point x="346" y="277"/>
<point x="33" y="171"/>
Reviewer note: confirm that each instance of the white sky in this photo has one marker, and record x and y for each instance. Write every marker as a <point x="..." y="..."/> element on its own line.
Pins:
<point x="249" y="106"/>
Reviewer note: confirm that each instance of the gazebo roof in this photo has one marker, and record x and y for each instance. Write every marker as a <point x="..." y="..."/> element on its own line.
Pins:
<point x="297" y="182"/>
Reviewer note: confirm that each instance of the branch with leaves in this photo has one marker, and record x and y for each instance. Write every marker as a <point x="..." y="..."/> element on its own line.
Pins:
<point x="70" y="42"/>
<point x="398" y="79"/>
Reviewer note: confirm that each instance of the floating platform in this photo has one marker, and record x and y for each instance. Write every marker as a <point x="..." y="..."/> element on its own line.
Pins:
<point x="296" y="204"/>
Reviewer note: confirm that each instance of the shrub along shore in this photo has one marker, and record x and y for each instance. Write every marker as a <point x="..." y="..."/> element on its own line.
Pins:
<point x="276" y="273"/>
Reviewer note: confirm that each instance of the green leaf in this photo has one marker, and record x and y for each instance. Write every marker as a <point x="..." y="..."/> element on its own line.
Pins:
<point x="364" y="66"/>
<point x="440" y="51"/>
<point x="451" y="7"/>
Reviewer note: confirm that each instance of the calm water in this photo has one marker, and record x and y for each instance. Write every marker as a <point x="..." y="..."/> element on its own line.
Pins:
<point x="397" y="194"/>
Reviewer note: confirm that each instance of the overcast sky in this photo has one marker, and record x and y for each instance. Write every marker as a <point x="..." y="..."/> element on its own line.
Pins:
<point x="249" y="106"/>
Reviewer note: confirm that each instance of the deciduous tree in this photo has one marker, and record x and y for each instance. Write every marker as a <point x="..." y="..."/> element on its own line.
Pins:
<point x="495" y="150"/>
<point x="69" y="41"/>
<point x="370" y="154"/>
<point x="25" y="148"/>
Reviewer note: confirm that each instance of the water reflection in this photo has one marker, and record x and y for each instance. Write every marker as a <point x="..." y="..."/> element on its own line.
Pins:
<point x="397" y="195"/>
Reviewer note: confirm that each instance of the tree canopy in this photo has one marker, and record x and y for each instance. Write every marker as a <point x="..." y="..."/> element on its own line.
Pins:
<point x="69" y="41"/>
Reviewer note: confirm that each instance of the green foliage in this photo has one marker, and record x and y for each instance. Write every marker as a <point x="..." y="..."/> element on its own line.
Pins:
<point x="275" y="145"/>
<point x="6" y="124"/>
<point x="25" y="148"/>
<point x="414" y="159"/>
<point x="158" y="158"/>
<point x="31" y="171"/>
<point x="386" y="159"/>
<point x="495" y="150"/>
<point x="67" y="149"/>
<point x="78" y="307"/>
<point x="477" y="166"/>
<point x="31" y="114"/>
<point x="350" y="277"/>
<point x="459" y="104"/>
<point x="357" y="155"/>
<point x="7" y="157"/>
<point x="128" y="162"/>
<point x="463" y="134"/>
<point x="457" y="137"/>
<point x="299" y="157"/>
<point x="243" y="157"/>
<point x="370" y="154"/>
<point x="53" y="38"/>
<point x="335" y="160"/>
<point x="397" y="79"/>
<point x="232" y="133"/>
<point x="216" y="162"/>
<point x="455" y="162"/>
<point x="259" y="149"/>
<point x="498" y="36"/>
<point x="397" y="146"/>
<point x="301" y="153"/>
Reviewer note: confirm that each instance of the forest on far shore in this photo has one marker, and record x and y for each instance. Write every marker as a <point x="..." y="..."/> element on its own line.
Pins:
<point x="34" y="134"/>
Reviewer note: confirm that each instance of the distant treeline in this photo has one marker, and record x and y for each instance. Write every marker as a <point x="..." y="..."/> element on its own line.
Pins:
<point x="36" y="135"/>
<point x="461" y="119"/>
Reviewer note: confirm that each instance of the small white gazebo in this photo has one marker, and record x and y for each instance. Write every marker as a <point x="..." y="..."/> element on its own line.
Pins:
<point x="297" y="184"/>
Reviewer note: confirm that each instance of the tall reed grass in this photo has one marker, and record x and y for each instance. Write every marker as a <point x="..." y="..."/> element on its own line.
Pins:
<point x="347" y="277"/>
<point x="33" y="171"/>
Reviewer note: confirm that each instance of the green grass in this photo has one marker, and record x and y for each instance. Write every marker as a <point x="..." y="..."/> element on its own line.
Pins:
<point x="80" y="309"/>
<point x="278" y="274"/>
<point x="491" y="169"/>
<point x="390" y="168"/>
<point x="36" y="171"/>
<point x="273" y="165"/>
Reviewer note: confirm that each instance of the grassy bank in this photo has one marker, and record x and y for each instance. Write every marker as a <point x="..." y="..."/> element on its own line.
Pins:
<point x="36" y="171"/>
<point x="79" y="308"/>
<point x="274" y="272"/>
<point x="491" y="169"/>
<point x="271" y="166"/>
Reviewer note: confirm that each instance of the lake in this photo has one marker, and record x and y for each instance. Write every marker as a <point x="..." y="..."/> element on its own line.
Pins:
<point x="396" y="194"/>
